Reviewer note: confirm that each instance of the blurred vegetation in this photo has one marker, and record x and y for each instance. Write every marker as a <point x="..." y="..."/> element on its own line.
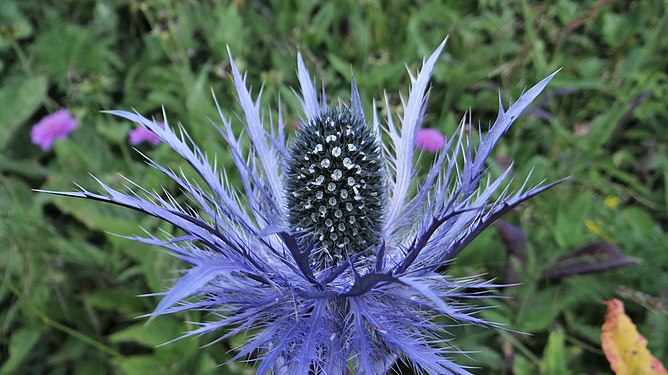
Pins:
<point x="68" y="289"/>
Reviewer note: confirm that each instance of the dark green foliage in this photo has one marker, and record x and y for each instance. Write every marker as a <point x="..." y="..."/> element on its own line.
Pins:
<point x="68" y="288"/>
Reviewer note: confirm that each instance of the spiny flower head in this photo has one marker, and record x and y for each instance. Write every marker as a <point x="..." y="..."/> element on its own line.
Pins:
<point x="335" y="186"/>
<point x="328" y="258"/>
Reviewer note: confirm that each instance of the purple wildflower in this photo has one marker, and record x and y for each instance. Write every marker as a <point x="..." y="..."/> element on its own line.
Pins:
<point x="143" y="134"/>
<point x="329" y="257"/>
<point x="51" y="127"/>
<point x="430" y="140"/>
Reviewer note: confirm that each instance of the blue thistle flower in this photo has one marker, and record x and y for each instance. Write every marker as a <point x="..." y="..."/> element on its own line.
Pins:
<point x="329" y="256"/>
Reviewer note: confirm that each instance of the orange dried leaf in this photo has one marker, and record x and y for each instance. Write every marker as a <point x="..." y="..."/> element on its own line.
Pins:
<point x="624" y="347"/>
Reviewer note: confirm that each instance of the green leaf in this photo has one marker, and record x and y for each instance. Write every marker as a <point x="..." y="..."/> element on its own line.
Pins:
<point x="18" y="101"/>
<point x="142" y="365"/>
<point x="150" y="334"/>
<point x="105" y="218"/>
<point x="555" y="359"/>
<point x="155" y="333"/>
<point x="521" y="366"/>
<point x="87" y="53"/>
<point x="21" y="344"/>
<point x="14" y="25"/>
<point x="540" y="310"/>
<point x="569" y="231"/>
<point x="116" y="299"/>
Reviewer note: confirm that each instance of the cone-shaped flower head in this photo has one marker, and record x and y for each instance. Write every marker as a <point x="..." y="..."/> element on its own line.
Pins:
<point x="329" y="257"/>
<point x="335" y="186"/>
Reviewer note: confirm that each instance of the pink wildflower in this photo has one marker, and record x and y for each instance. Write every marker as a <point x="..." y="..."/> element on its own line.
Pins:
<point x="51" y="127"/>
<point x="142" y="134"/>
<point x="429" y="139"/>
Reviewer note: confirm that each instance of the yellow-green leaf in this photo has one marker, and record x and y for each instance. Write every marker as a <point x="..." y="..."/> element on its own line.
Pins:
<point x="624" y="347"/>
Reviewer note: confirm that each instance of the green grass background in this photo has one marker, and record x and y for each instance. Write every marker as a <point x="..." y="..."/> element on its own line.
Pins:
<point x="68" y="287"/>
